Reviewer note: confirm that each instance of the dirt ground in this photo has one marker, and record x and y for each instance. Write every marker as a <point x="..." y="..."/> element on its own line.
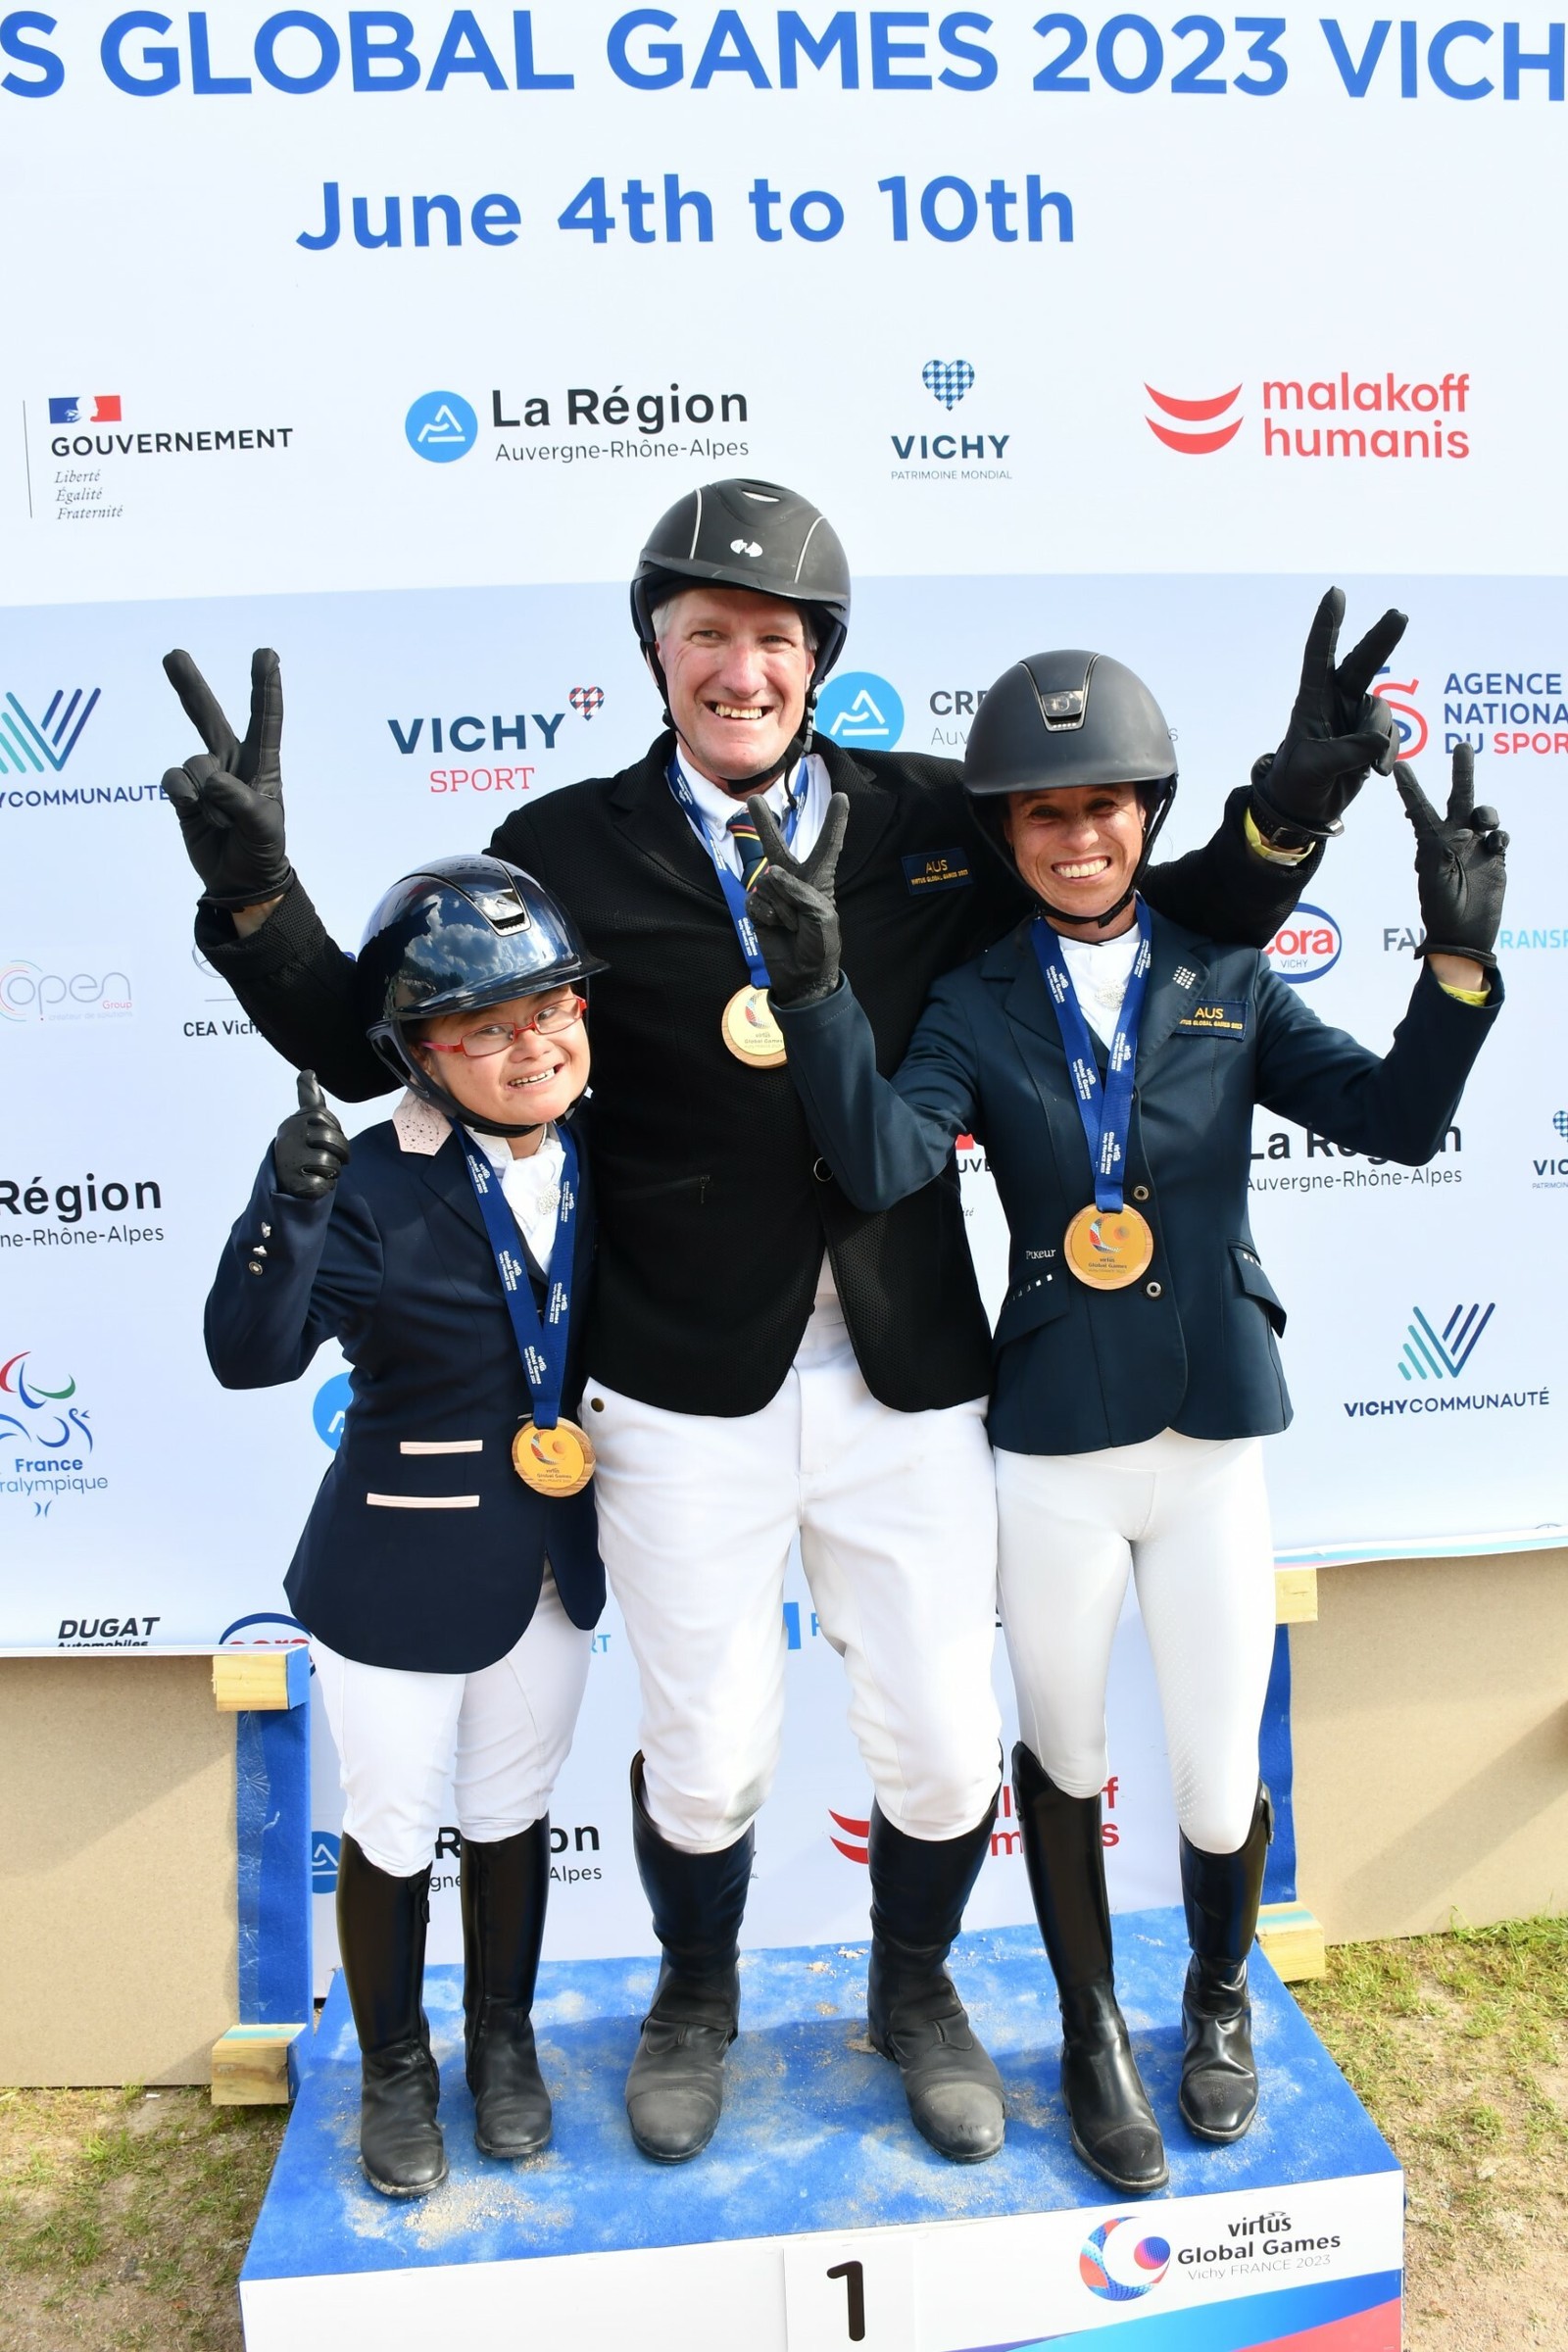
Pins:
<point x="125" y="2215"/>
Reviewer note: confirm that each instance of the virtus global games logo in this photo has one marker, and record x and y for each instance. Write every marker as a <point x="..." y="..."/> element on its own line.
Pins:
<point x="1119" y="2263"/>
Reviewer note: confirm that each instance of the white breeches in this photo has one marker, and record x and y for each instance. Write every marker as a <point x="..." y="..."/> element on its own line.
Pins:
<point x="895" y="1516"/>
<point x="499" y="1737"/>
<point x="1189" y="1517"/>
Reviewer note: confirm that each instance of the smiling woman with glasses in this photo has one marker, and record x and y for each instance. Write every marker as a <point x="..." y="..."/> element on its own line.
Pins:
<point x="559" y="1013"/>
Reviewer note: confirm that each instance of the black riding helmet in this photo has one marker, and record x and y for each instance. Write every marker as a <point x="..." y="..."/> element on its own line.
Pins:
<point x="1066" y="718"/>
<point x="458" y="934"/>
<point x="749" y="535"/>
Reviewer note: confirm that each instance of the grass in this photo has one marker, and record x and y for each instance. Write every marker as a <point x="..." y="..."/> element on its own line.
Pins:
<point x="1458" y="2048"/>
<point x="125" y="2215"/>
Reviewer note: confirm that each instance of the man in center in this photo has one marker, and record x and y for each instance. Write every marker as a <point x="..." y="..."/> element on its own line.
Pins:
<point x="767" y="1360"/>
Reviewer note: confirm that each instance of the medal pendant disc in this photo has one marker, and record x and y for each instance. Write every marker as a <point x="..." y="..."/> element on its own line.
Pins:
<point x="1108" y="1248"/>
<point x="750" y="1030"/>
<point x="553" y="1462"/>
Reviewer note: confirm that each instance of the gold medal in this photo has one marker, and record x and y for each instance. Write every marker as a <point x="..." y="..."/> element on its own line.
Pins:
<point x="553" y="1462"/>
<point x="1108" y="1248"/>
<point x="750" y="1031"/>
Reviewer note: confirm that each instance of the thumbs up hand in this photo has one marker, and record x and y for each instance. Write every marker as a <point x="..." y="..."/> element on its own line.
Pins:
<point x="312" y="1148"/>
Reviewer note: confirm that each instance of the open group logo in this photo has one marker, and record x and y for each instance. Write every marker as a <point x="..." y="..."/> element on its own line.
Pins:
<point x="1118" y="2265"/>
<point x="860" y="711"/>
<point x="441" y="426"/>
<point x="1310" y="945"/>
<point x="330" y="1409"/>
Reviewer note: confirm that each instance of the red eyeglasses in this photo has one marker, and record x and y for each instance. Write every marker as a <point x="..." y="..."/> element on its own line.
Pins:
<point x="495" y="1036"/>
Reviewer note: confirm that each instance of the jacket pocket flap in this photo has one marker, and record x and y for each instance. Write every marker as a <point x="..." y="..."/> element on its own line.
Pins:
<point x="1256" y="1284"/>
<point x="1038" y="1298"/>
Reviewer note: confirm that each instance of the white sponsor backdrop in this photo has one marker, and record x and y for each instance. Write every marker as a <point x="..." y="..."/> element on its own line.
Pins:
<point x="1204" y="345"/>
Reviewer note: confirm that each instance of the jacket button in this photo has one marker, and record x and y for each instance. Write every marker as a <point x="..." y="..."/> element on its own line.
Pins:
<point x="821" y="1171"/>
<point x="597" y="1403"/>
<point x="255" y="1267"/>
<point x="1140" y="1192"/>
<point x="1153" y="1290"/>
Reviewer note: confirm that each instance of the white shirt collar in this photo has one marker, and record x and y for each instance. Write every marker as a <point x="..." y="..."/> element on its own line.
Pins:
<point x="718" y="808"/>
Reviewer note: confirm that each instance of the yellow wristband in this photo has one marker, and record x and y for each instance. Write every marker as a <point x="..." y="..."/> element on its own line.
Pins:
<point x="1265" y="848"/>
<point x="1466" y="995"/>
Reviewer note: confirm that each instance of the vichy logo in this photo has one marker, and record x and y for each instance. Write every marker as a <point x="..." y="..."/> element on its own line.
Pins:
<point x="974" y="457"/>
<point x="1429" y="1355"/>
<point x="947" y="380"/>
<point x="586" y="699"/>
<point x="861" y="712"/>
<point x="1118" y="2265"/>
<point x="1559" y="1122"/>
<point x="1195" y="431"/>
<point x="441" y="426"/>
<point x="47" y="742"/>
<point x="1310" y="945"/>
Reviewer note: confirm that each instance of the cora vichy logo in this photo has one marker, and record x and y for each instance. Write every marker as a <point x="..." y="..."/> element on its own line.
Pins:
<point x="1310" y="945"/>
<point x="861" y="712"/>
<point x="441" y="426"/>
<point x="1431" y="1354"/>
<point x="1118" y="2265"/>
<point x="1192" y="427"/>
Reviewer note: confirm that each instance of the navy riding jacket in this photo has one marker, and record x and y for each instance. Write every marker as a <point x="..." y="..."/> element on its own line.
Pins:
<point x="424" y="1549"/>
<point x="1191" y="1345"/>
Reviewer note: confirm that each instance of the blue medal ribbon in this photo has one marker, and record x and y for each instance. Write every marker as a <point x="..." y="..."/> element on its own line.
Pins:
<point x="541" y="1342"/>
<point x="1106" y="1110"/>
<point x="732" y="885"/>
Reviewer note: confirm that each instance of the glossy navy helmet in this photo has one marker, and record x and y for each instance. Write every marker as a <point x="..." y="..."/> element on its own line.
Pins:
<point x="1068" y="718"/>
<point x="749" y="535"/>
<point x="458" y="934"/>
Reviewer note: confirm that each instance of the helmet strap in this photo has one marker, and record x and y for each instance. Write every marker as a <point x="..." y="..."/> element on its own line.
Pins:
<point x="1151" y="826"/>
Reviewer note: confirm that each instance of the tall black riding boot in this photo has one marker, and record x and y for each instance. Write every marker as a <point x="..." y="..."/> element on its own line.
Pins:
<point x="918" y="1889"/>
<point x="1221" y="1892"/>
<point x="505" y="1889"/>
<point x="675" y="2089"/>
<point x="1112" y="2125"/>
<point x="380" y="1932"/>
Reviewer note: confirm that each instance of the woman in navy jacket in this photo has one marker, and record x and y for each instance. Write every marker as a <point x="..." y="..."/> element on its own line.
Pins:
<point x="449" y="1572"/>
<point x="1109" y="1061"/>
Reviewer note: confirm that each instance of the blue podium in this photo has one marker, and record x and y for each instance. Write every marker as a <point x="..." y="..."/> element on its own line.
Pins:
<point x="817" y="2219"/>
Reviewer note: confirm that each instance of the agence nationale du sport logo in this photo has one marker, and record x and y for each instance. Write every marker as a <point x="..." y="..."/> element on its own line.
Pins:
<point x="1118" y="2265"/>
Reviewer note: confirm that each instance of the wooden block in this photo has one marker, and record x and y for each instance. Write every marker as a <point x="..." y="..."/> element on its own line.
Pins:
<point x="250" y="2065"/>
<point x="1294" y="1942"/>
<point x="1295" y="1597"/>
<point x="265" y="1680"/>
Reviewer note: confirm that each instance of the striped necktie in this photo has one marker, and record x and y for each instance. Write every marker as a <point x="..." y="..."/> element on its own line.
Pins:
<point x="743" y="833"/>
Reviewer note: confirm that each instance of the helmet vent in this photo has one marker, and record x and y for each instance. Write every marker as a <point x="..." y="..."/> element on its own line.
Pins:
<point x="503" y="908"/>
<point x="1063" y="710"/>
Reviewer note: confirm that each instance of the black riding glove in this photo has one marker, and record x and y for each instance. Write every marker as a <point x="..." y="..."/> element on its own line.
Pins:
<point x="1461" y="872"/>
<point x="1339" y="731"/>
<point x="312" y="1148"/>
<point x="791" y="901"/>
<point x="230" y="803"/>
